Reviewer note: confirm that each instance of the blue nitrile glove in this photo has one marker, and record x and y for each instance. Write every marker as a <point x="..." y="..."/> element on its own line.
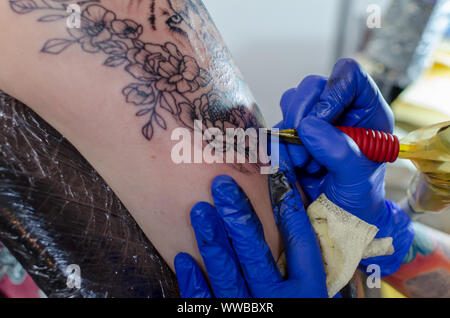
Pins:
<point x="348" y="98"/>
<point x="356" y="184"/>
<point x="238" y="261"/>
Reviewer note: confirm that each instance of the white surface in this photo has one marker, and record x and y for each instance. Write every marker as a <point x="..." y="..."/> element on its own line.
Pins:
<point x="277" y="43"/>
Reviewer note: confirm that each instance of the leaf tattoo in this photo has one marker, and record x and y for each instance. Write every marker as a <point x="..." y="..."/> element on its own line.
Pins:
<point x="163" y="79"/>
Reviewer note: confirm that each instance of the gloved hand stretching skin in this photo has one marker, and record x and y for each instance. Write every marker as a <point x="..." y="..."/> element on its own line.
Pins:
<point x="245" y="267"/>
<point x="351" y="181"/>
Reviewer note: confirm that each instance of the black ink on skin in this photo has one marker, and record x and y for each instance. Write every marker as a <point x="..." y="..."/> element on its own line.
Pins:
<point x="163" y="79"/>
<point x="280" y="189"/>
<point x="173" y="20"/>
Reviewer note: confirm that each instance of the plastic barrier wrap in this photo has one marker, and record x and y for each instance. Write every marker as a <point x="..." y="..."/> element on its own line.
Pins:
<point x="63" y="223"/>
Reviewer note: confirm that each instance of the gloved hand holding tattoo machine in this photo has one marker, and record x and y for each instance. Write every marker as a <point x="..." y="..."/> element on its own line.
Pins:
<point x="349" y="215"/>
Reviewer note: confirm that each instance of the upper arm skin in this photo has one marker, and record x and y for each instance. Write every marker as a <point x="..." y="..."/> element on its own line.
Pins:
<point x="163" y="60"/>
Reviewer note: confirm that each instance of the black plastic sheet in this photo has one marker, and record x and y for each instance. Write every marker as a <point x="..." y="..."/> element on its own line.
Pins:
<point x="56" y="211"/>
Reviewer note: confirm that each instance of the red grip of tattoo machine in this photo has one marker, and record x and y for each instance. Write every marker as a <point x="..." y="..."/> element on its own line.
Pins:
<point x="376" y="145"/>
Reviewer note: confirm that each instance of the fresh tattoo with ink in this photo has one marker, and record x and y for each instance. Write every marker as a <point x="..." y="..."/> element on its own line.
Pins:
<point x="164" y="80"/>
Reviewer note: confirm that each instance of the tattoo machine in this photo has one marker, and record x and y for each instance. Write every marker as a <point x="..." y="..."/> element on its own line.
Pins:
<point x="428" y="148"/>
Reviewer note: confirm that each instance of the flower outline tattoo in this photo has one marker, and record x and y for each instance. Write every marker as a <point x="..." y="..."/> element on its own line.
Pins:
<point x="164" y="80"/>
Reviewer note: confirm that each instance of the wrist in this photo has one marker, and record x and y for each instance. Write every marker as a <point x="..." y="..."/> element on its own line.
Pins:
<point x="392" y="222"/>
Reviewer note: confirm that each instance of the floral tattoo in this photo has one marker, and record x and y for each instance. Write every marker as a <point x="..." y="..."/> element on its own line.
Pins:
<point x="163" y="80"/>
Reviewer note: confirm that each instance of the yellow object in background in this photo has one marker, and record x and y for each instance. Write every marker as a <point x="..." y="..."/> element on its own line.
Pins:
<point x="427" y="101"/>
<point x="429" y="149"/>
<point x="387" y="291"/>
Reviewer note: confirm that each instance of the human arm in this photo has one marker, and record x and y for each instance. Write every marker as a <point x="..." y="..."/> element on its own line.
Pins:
<point x="237" y="258"/>
<point x="164" y="65"/>
<point x="330" y="163"/>
<point x="351" y="98"/>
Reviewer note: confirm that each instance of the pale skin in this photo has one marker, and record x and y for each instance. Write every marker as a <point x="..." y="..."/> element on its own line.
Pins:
<point x="84" y="100"/>
<point x="61" y="75"/>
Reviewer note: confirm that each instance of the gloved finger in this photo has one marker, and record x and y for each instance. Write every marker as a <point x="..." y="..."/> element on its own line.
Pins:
<point x="298" y="152"/>
<point x="246" y="234"/>
<point x="191" y="281"/>
<point x="303" y="256"/>
<point x="303" y="100"/>
<point x="300" y="157"/>
<point x="334" y="150"/>
<point x="356" y="180"/>
<point x="219" y="258"/>
<point x="286" y="100"/>
<point x="296" y="105"/>
<point x="351" y="93"/>
<point x="311" y="184"/>
<point x="313" y="167"/>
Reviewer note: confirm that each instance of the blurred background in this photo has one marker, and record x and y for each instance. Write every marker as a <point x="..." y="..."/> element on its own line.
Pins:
<point x="277" y="45"/>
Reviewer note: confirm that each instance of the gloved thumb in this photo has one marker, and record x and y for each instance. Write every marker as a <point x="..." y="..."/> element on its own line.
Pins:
<point x="333" y="149"/>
